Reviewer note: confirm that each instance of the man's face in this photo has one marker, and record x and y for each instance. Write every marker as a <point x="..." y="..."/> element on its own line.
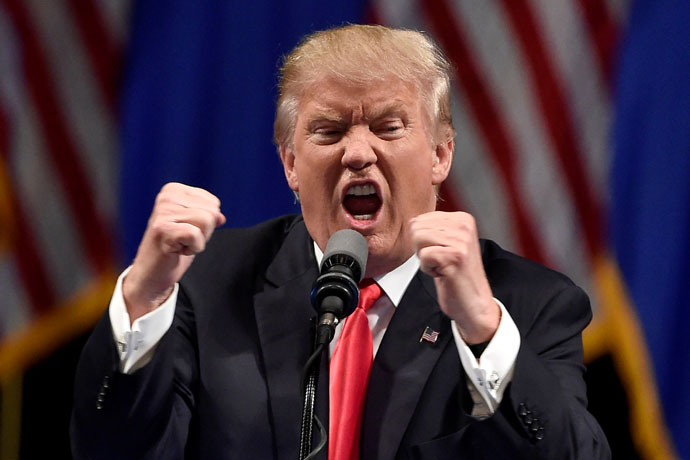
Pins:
<point x="364" y="159"/>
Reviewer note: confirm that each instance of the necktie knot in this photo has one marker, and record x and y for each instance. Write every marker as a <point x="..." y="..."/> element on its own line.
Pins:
<point x="369" y="293"/>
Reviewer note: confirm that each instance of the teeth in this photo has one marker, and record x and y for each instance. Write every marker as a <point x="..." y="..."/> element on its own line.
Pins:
<point x="364" y="217"/>
<point x="366" y="189"/>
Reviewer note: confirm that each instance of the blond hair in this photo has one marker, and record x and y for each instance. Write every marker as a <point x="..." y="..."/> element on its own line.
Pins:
<point x="362" y="54"/>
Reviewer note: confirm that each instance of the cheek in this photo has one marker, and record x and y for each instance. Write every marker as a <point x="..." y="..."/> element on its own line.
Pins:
<point x="305" y="167"/>
<point x="318" y="176"/>
<point x="412" y="184"/>
<point x="416" y="169"/>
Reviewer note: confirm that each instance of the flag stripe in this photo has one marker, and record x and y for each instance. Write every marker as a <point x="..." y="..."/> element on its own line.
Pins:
<point x="603" y="32"/>
<point x="39" y="195"/>
<point x="588" y="95"/>
<point x="61" y="146"/>
<point x="618" y="9"/>
<point x="399" y="13"/>
<point x="452" y="38"/>
<point x="478" y="181"/>
<point x="116" y="22"/>
<point x="35" y="280"/>
<point x="372" y="14"/>
<point x="101" y="49"/>
<point x="537" y="171"/>
<point x="556" y="118"/>
<point x="86" y="113"/>
<point x="450" y="198"/>
<point x="18" y="236"/>
<point x="571" y="54"/>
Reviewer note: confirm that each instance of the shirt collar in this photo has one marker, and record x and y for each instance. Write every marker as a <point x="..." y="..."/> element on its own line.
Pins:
<point x="393" y="283"/>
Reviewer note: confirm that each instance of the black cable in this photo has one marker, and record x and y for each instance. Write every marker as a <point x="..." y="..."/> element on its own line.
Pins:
<point x="308" y="381"/>
<point x="322" y="442"/>
<point x="310" y="362"/>
<point x="307" y="418"/>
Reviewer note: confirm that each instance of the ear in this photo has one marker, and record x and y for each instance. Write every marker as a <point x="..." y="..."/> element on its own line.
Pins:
<point x="287" y="156"/>
<point x="443" y="159"/>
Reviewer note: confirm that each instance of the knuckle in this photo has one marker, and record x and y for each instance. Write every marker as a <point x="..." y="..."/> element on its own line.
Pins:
<point x="158" y="226"/>
<point x="469" y="221"/>
<point x="458" y="258"/>
<point x="461" y="252"/>
<point x="170" y="187"/>
<point x="207" y="221"/>
<point x="163" y="198"/>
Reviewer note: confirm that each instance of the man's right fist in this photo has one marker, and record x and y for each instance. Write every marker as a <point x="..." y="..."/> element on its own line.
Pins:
<point x="181" y="223"/>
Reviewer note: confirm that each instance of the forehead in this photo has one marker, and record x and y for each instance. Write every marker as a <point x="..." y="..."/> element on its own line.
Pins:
<point x="330" y="96"/>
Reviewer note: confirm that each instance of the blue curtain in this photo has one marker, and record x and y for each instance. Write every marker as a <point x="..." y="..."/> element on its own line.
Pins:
<point x="650" y="185"/>
<point x="198" y="103"/>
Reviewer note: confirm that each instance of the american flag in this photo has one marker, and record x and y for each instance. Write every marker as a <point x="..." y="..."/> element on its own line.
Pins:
<point x="532" y="104"/>
<point x="429" y="335"/>
<point x="59" y="76"/>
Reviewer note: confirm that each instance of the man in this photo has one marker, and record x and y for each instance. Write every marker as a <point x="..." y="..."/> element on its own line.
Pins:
<point x="478" y="352"/>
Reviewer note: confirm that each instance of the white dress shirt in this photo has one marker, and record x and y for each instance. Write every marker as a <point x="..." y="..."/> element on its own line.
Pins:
<point x="488" y="376"/>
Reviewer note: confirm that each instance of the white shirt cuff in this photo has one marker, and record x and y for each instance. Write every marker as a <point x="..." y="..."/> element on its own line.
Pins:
<point x="491" y="374"/>
<point x="136" y="344"/>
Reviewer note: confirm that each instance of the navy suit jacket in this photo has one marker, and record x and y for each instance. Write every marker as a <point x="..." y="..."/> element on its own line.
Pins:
<point x="224" y="381"/>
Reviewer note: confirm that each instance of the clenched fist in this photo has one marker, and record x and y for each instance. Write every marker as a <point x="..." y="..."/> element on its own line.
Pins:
<point x="447" y="245"/>
<point x="181" y="223"/>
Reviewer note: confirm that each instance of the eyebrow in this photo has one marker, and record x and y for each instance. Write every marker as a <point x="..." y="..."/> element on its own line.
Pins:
<point x="396" y="108"/>
<point x="329" y="114"/>
<point x="323" y="116"/>
<point x="325" y="113"/>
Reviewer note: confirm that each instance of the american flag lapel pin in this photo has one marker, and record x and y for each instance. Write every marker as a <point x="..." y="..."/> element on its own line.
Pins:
<point x="430" y="335"/>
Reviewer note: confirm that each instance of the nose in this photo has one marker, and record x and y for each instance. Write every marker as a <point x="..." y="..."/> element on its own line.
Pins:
<point x="358" y="151"/>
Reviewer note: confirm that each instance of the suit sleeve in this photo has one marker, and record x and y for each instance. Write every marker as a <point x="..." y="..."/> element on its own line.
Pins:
<point x="146" y="414"/>
<point x="543" y="414"/>
<point x="547" y="398"/>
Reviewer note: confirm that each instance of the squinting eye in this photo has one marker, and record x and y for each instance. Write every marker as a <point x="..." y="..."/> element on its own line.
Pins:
<point x="326" y="135"/>
<point x="390" y="130"/>
<point x="327" y="132"/>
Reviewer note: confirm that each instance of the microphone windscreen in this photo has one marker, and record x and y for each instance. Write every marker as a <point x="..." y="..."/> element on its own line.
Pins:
<point x="349" y="243"/>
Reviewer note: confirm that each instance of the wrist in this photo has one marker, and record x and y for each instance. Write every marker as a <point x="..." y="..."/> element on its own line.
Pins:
<point x="480" y="327"/>
<point x="140" y="301"/>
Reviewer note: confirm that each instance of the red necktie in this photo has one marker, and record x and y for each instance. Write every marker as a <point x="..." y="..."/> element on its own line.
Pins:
<point x="349" y="374"/>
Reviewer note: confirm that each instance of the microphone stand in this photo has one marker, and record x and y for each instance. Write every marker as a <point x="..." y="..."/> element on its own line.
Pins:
<point x="310" y="373"/>
<point x="334" y="295"/>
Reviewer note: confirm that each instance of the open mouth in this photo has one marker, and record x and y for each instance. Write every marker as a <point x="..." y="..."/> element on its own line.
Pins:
<point x="362" y="202"/>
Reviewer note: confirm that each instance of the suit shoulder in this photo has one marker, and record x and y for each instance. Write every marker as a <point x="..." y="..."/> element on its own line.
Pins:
<point x="509" y="271"/>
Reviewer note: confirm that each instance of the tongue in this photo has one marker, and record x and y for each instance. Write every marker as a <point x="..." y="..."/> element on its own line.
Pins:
<point x="358" y="205"/>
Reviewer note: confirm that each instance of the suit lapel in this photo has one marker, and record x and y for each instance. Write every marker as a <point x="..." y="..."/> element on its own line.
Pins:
<point x="284" y="319"/>
<point x="401" y="369"/>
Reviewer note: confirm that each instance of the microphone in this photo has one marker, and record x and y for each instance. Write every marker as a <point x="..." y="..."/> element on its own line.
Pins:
<point x="335" y="292"/>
